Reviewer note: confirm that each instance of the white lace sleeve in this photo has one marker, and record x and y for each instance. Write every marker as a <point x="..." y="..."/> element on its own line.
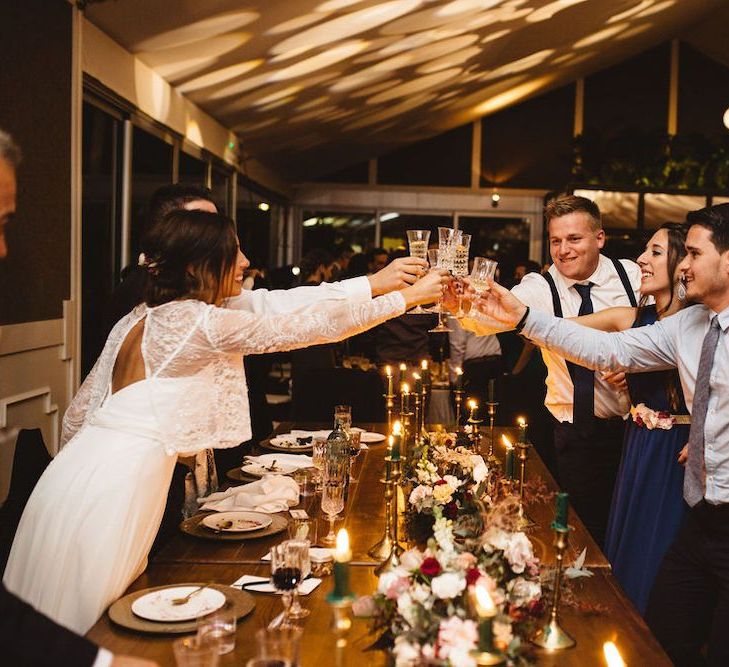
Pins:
<point x="236" y="331"/>
<point x="84" y="399"/>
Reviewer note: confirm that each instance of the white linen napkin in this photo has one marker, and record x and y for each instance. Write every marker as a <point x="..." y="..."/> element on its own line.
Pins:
<point x="264" y="585"/>
<point x="273" y="493"/>
<point x="296" y="461"/>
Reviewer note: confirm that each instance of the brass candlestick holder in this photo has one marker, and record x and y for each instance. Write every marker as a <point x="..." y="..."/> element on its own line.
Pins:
<point x="383" y="548"/>
<point x="491" y="407"/>
<point x="424" y="411"/>
<point x="475" y="435"/>
<point x="523" y="454"/>
<point x="390" y="406"/>
<point x="551" y="636"/>
<point x="392" y="560"/>
<point x="341" y="619"/>
<point x="458" y="393"/>
<point x="406" y="422"/>
<point x="417" y="411"/>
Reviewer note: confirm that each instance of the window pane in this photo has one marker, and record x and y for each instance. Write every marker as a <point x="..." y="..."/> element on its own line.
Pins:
<point x="254" y="227"/>
<point x="618" y="209"/>
<point x="660" y="208"/>
<point x="100" y="258"/>
<point x="503" y="239"/>
<point x="393" y="229"/>
<point x="221" y="190"/>
<point x="151" y="169"/>
<point x="192" y="170"/>
<point x="326" y="229"/>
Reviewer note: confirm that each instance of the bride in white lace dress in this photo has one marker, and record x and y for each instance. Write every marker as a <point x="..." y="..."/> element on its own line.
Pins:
<point x="169" y="382"/>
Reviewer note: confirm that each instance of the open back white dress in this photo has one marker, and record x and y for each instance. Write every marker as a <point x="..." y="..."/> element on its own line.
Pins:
<point x="90" y="522"/>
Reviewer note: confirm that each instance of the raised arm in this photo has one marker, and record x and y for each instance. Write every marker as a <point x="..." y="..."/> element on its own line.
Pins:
<point x="618" y="318"/>
<point x="325" y="322"/>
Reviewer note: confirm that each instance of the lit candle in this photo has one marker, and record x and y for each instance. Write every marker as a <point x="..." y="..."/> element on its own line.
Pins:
<point x="485" y="610"/>
<point x="509" y="460"/>
<point x="491" y="390"/>
<point x="342" y="556"/>
<point x="473" y="407"/>
<point x="418" y="383"/>
<point x="396" y="440"/>
<point x="403" y="371"/>
<point x="425" y="372"/>
<point x="459" y="378"/>
<point x="388" y="372"/>
<point x="405" y="399"/>
<point x="522" y="429"/>
<point x="612" y="655"/>
<point x="560" y="517"/>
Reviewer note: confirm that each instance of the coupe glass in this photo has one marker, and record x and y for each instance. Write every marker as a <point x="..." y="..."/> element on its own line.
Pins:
<point x="418" y="244"/>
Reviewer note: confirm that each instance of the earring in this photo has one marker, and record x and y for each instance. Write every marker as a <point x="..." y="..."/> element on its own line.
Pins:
<point x="681" y="292"/>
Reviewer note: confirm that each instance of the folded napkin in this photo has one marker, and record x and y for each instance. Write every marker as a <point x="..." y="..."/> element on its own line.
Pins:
<point x="316" y="554"/>
<point x="273" y="493"/>
<point x="253" y="584"/>
<point x="296" y="461"/>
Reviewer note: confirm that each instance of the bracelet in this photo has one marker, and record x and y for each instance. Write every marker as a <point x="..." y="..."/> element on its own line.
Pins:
<point x="522" y="321"/>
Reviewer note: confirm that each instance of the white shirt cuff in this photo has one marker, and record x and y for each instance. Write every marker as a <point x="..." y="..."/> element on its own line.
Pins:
<point x="357" y="289"/>
<point x="104" y="658"/>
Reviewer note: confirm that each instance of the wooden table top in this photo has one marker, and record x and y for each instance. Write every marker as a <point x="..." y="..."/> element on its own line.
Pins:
<point x="188" y="559"/>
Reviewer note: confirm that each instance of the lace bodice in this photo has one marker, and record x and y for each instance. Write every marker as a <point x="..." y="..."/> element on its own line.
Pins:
<point x="203" y="346"/>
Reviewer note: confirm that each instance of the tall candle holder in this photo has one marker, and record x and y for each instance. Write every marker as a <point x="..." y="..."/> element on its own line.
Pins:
<point x="522" y="455"/>
<point x="416" y="414"/>
<point x="390" y="406"/>
<point x="551" y="636"/>
<point x="474" y="424"/>
<point x="392" y="559"/>
<point x="458" y="393"/>
<point x="491" y="407"/>
<point x="383" y="548"/>
<point x="406" y="421"/>
<point x="423" y="410"/>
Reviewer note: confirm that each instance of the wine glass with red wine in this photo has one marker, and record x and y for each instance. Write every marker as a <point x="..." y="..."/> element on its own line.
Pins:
<point x="286" y="574"/>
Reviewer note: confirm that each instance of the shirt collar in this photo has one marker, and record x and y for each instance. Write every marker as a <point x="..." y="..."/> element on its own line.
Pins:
<point x="723" y="318"/>
<point x="598" y="278"/>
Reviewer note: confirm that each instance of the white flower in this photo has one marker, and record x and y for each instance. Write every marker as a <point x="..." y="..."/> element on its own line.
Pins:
<point x="456" y="639"/>
<point x="447" y="585"/>
<point x="422" y="595"/>
<point x="502" y="632"/>
<point x="411" y="560"/>
<point x="480" y="470"/>
<point x="391" y="584"/>
<point x="406" y="654"/>
<point x="519" y="552"/>
<point x="496" y="538"/>
<point x="443" y="493"/>
<point x="522" y="592"/>
<point x="443" y="532"/>
<point x="364" y="606"/>
<point x="407" y="609"/>
<point x="453" y="481"/>
<point x="421" y="496"/>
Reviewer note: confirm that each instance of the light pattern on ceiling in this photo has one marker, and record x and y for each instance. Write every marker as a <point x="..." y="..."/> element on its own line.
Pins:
<point x="310" y="85"/>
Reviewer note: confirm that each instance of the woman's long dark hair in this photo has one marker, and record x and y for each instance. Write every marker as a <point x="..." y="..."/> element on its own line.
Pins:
<point x="189" y="254"/>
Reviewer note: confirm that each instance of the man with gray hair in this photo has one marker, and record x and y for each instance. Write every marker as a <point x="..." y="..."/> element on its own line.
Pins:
<point x="27" y="637"/>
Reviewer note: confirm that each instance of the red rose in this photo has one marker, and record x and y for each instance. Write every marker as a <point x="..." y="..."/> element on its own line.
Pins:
<point x="430" y="567"/>
<point x="473" y="574"/>
<point x="450" y="511"/>
<point x="440" y="481"/>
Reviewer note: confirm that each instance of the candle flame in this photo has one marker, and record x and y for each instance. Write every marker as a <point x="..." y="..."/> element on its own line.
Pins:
<point x="396" y="428"/>
<point x="405" y="388"/>
<point x="612" y="655"/>
<point x="403" y="367"/>
<point x="472" y="404"/>
<point x="424" y="364"/>
<point x="388" y="371"/>
<point x="485" y="606"/>
<point x="506" y="441"/>
<point x="416" y="376"/>
<point x="459" y="371"/>
<point x="342" y="552"/>
<point x="521" y="421"/>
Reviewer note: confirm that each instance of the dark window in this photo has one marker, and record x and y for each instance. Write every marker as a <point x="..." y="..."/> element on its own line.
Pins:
<point x="192" y="170"/>
<point x="254" y="227"/>
<point x="220" y="186"/>
<point x="393" y="230"/>
<point x="328" y="229"/>
<point x="503" y="239"/>
<point x="355" y="173"/>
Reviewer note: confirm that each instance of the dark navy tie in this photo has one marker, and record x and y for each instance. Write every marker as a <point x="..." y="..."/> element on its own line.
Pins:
<point x="583" y="378"/>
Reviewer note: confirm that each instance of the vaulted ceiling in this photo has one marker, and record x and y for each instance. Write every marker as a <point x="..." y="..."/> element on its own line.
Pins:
<point x="311" y="85"/>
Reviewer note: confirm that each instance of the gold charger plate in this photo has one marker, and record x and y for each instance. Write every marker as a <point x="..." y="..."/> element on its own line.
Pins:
<point x="237" y="601"/>
<point x="237" y="475"/>
<point x="193" y="526"/>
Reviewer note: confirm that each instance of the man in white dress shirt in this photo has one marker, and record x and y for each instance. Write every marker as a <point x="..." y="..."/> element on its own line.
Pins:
<point x="689" y="603"/>
<point x="588" y="411"/>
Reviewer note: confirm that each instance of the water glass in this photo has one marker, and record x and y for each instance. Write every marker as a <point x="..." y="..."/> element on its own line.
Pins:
<point x="344" y="414"/>
<point x="280" y="644"/>
<point x="196" y="652"/>
<point x="304" y="477"/>
<point x="318" y="455"/>
<point x="332" y="502"/>
<point x="218" y="627"/>
<point x="303" y="529"/>
<point x="286" y="569"/>
<point x="296" y="611"/>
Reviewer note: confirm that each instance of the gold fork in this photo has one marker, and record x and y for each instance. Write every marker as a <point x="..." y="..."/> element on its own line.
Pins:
<point x="184" y="600"/>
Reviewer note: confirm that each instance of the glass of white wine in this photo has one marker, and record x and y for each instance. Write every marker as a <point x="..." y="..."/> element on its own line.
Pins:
<point x="483" y="270"/>
<point x="460" y="267"/>
<point x="418" y="243"/>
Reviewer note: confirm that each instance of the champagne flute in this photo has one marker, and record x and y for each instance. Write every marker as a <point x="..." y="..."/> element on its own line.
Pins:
<point x="435" y="263"/>
<point x="418" y="244"/>
<point x="460" y="268"/>
<point x="483" y="270"/>
<point x="285" y="574"/>
<point x="318" y="455"/>
<point x="296" y="611"/>
<point x="332" y="497"/>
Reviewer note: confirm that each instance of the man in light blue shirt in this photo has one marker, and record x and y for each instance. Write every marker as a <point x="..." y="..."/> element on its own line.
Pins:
<point x="690" y="599"/>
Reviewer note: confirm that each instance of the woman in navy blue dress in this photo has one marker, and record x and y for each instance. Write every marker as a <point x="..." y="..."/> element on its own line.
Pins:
<point x="647" y="505"/>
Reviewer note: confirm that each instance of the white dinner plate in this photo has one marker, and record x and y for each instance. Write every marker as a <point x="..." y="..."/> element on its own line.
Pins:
<point x="258" y="470"/>
<point x="237" y="522"/>
<point x="157" y="606"/>
<point x="287" y="442"/>
<point x="370" y="436"/>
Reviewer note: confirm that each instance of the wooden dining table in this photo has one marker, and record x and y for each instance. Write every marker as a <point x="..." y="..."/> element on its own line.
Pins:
<point x="602" y="613"/>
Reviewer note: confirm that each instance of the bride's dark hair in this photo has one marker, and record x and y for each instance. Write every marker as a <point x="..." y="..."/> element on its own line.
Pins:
<point x="188" y="255"/>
